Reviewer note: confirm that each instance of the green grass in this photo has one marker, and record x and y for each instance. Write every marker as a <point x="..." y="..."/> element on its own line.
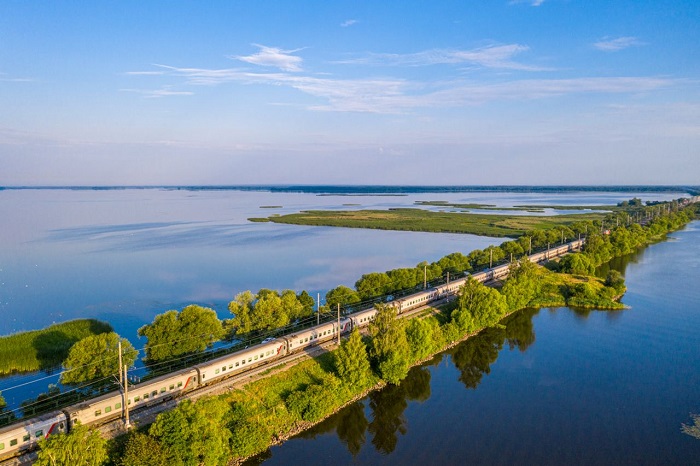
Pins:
<point x="439" y="222"/>
<point x="47" y="348"/>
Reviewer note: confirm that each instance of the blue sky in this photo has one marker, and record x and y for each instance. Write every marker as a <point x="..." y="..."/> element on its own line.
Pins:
<point x="351" y="92"/>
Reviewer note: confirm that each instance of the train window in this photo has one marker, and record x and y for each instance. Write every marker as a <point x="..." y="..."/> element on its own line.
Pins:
<point x="154" y="392"/>
<point x="38" y="433"/>
<point x="179" y="384"/>
<point x="137" y="399"/>
<point x="301" y="342"/>
<point x="108" y="409"/>
<point x="217" y="371"/>
<point x="306" y="340"/>
<point x="118" y="406"/>
<point x="145" y="396"/>
<point x="256" y="357"/>
<point x="250" y="359"/>
<point x="172" y="387"/>
<point x="230" y="366"/>
<point x="243" y="362"/>
<point x="262" y="356"/>
<point x="237" y="364"/>
<point x="98" y="412"/>
<point x="25" y="438"/>
<point x="13" y="442"/>
<point x="2" y="446"/>
<point x="162" y="389"/>
<point x="61" y="426"/>
<point x="223" y="368"/>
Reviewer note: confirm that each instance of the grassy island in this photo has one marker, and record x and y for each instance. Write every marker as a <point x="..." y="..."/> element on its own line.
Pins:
<point x="46" y="348"/>
<point x="407" y="219"/>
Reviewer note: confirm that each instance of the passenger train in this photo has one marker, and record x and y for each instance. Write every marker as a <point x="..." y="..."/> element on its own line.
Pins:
<point x="23" y="436"/>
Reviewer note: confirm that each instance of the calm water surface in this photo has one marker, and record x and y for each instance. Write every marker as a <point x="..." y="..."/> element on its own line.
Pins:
<point x="554" y="387"/>
<point x="124" y="256"/>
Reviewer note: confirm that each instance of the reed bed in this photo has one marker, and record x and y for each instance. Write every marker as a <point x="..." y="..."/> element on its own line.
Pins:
<point x="46" y="348"/>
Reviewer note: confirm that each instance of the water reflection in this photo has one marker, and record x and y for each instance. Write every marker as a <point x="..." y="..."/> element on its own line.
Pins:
<point x="473" y="358"/>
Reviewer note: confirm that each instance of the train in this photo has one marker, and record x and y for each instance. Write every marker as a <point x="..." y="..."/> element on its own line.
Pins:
<point x="18" y="438"/>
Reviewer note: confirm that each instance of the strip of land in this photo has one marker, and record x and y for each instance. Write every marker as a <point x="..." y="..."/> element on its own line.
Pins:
<point x="427" y="221"/>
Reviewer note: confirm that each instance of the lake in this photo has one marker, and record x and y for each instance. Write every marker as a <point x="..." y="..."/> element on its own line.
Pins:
<point x="126" y="255"/>
<point x="556" y="386"/>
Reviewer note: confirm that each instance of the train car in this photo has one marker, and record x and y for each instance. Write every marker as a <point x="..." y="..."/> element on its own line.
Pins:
<point x="17" y="438"/>
<point x="240" y="361"/>
<point x="318" y="334"/>
<point x="110" y="406"/>
<point x="416" y="300"/>
<point x="362" y="318"/>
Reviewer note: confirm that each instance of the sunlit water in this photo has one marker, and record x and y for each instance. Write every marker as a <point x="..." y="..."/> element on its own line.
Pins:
<point x="555" y="387"/>
<point x="124" y="256"/>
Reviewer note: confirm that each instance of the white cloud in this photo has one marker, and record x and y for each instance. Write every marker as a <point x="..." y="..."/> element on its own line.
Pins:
<point x="275" y="57"/>
<point x="143" y="73"/>
<point x="386" y="95"/>
<point x="529" y="2"/>
<point x="495" y="56"/>
<point x="613" y="45"/>
<point x="347" y="23"/>
<point x="157" y="93"/>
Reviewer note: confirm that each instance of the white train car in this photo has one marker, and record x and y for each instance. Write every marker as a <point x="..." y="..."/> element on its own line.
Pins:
<point x="17" y="438"/>
<point x="362" y="318"/>
<point x="110" y="406"/>
<point x="416" y="300"/>
<point x="240" y="360"/>
<point x="316" y="335"/>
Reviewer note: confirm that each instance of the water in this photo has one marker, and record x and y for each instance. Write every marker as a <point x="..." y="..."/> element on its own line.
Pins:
<point x="555" y="387"/>
<point x="124" y="256"/>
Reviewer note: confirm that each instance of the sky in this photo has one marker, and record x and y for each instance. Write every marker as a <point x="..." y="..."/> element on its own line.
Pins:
<point x="349" y="92"/>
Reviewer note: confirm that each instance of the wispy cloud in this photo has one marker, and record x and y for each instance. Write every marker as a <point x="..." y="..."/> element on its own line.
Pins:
<point x="529" y="2"/>
<point x="385" y="95"/>
<point x="613" y="45"/>
<point x="4" y="77"/>
<point x="495" y="56"/>
<point x="347" y="23"/>
<point x="143" y="73"/>
<point x="165" y="91"/>
<point x="275" y="57"/>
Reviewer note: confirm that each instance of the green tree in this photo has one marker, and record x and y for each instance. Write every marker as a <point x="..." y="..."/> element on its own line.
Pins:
<point x="97" y="357"/>
<point x="577" y="263"/>
<point x="341" y="295"/>
<point x="616" y="281"/>
<point x="373" y="284"/>
<point x="142" y="450"/>
<point x="351" y="361"/>
<point x="421" y="337"/>
<point x="512" y="249"/>
<point x="83" y="446"/>
<point x="390" y="350"/>
<point x="194" y="434"/>
<point x="175" y="333"/>
<point x="242" y="309"/>
<point x="268" y="313"/>
<point x="478" y="306"/>
<point x="293" y="307"/>
<point x="522" y="285"/>
<point x="454" y="263"/>
<point x="307" y="302"/>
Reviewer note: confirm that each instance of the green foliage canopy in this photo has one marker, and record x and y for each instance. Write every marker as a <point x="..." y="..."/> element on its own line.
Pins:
<point x="142" y="450"/>
<point x="351" y="361"/>
<point x="83" y="446"/>
<point x="194" y="434"/>
<point x="390" y="350"/>
<point x="97" y="357"/>
<point x="176" y="333"/>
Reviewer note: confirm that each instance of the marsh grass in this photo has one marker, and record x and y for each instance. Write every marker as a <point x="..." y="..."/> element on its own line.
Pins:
<point x="47" y="348"/>
<point x="406" y="219"/>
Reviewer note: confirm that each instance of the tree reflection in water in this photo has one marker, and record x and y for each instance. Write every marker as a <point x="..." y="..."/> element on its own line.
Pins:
<point x="473" y="357"/>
